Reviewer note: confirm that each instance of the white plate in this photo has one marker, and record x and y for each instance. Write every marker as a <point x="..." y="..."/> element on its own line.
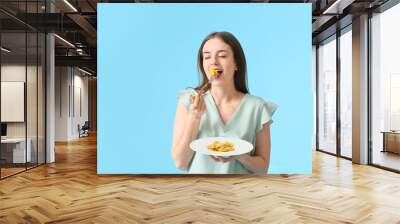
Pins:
<point x="240" y="146"/>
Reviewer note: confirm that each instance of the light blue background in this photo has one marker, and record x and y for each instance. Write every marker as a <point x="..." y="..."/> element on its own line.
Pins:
<point x="147" y="53"/>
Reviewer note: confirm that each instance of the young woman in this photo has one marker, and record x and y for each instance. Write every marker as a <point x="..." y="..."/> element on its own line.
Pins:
<point x="222" y="107"/>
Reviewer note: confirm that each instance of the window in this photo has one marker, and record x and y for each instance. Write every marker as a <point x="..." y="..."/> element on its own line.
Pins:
<point x="385" y="88"/>
<point x="327" y="96"/>
<point x="346" y="93"/>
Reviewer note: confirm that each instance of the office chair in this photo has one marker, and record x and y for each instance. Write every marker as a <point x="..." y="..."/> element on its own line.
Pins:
<point x="84" y="130"/>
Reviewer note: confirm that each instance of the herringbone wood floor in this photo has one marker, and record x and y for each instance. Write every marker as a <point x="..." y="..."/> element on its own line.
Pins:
<point x="70" y="191"/>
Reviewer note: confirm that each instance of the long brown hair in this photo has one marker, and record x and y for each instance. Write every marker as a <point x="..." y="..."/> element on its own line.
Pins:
<point x="240" y="76"/>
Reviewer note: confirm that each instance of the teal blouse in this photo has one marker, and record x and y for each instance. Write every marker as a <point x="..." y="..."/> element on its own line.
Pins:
<point x="248" y="119"/>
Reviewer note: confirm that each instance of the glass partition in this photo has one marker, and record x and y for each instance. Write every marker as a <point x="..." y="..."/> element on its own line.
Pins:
<point x="32" y="95"/>
<point x="22" y="77"/>
<point x="346" y="93"/>
<point x="327" y="95"/>
<point x="14" y="153"/>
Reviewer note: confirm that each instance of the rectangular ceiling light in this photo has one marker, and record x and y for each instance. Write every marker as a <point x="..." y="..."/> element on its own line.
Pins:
<point x="70" y="5"/>
<point x="65" y="41"/>
<point x="338" y="6"/>
<point x="5" y="50"/>
<point x="84" y="71"/>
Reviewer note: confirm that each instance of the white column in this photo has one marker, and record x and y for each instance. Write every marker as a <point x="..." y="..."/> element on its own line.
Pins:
<point x="50" y="93"/>
<point x="360" y="90"/>
<point x="50" y="110"/>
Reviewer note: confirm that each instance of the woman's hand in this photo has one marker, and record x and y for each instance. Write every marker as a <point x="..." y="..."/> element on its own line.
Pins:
<point x="197" y="105"/>
<point x="186" y="129"/>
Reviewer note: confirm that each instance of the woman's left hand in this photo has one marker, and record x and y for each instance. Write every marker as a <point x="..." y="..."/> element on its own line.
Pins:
<point x="222" y="158"/>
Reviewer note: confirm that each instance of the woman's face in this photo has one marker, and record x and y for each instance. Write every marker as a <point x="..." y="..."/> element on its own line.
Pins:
<point x="219" y="56"/>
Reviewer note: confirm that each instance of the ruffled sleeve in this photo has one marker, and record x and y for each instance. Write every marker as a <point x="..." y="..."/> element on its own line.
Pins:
<point x="184" y="97"/>
<point x="266" y="110"/>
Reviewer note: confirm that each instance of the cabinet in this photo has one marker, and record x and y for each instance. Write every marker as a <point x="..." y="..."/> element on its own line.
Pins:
<point x="391" y="141"/>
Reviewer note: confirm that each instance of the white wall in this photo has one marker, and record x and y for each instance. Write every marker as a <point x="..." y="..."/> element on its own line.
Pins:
<point x="12" y="101"/>
<point x="81" y="89"/>
<point x="70" y="84"/>
<point x="15" y="72"/>
<point x="61" y="103"/>
<point x="12" y="73"/>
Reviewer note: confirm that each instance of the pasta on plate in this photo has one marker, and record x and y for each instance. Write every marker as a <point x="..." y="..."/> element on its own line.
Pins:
<point x="221" y="147"/>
